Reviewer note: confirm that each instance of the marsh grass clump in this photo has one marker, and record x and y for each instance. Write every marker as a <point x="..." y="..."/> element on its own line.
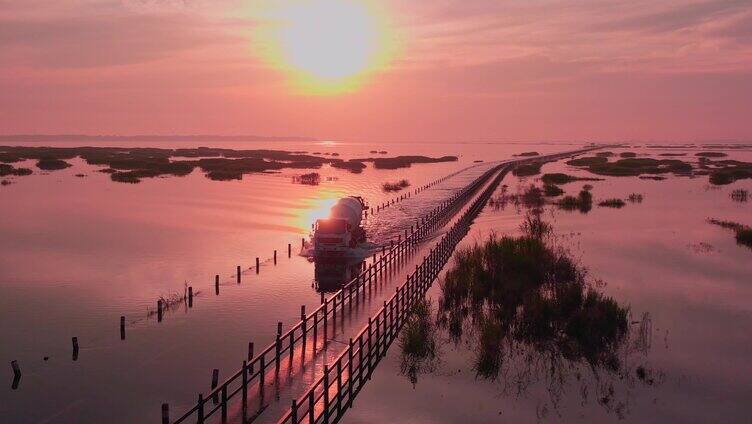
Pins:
<point x="527" y="169"/>
<point x="417" y="341"/>
<point x="587" y="161"/>
<point x="521" y="291"/>
<point x="312" y="178"/>
<point x="743" y="233"/>
<point x="635" y="198"/>
<point x="9" y="170"/>
<point x="405" y="161"/>
<point x="740" y="195"/>
<point x="52" y="164"/>
<point x="612" y="203"/>
<point x="559" y="178"/>
<point x="631" y="166"/>
<point x="524" y="309"/>
<point x="399" y="185"/>
<point x="552" y="190"/>
<point x="628" y="154"/>
<point x="583" y="202"/>
<point x="354" y="166"/>
<point x="711" y="154"/>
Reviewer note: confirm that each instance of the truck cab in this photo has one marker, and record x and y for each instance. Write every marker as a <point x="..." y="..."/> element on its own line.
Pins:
<point x="332" y="235"/>
<point x="335" y="235"/>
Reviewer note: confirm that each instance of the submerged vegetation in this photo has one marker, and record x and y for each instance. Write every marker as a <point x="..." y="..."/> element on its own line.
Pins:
<point x="612" y="203"/>
<point x="52" y="164"/>
<point x="417" y="341"/>
<point x="399" y="185"/>
<point x="312" y="178"/>
<point x="559" y="178"/>
<point x="552" y="190"/>
<point x="740" y="195"/>
<point x="631" y="166"/>
<point x="583" y="202"/>
<point x="405" y="161"/>
<point x="635" y="198"/>
<point x="720" y="172"/>
<point x="743" y="233"/>
<point x="9" y="170"/>
<point x="711" y="154"/>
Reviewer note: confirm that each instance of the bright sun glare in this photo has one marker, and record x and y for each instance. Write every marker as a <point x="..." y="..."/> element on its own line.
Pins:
<point x="328" y="46"/>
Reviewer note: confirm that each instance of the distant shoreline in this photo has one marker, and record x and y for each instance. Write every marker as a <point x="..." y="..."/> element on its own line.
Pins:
<point x="146" y="137"/>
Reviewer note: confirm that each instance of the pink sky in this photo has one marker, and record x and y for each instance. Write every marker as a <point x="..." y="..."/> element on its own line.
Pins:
<point x="466" y="70"/>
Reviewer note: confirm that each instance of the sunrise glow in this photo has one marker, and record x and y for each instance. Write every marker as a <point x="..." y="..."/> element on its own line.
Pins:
<point x="326" y="46"/>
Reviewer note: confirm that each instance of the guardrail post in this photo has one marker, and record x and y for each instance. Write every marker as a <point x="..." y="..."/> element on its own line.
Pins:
<point x="224" y="403"/>
<point x="370" y="346"/>
<point x="200" y="409"/>
<point x="215" y="380"/>
<point x="326" y="393"/>
<point x="326" y="320"/>
<point x="293" y="412"/>
<point x="350" y="371"/>
<point x="262" y="375"/>
<point x="311" y="409"/>
<point x="245" y="391"/>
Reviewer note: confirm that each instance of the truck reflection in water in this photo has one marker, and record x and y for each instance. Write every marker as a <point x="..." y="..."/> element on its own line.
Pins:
<point x="333" y="273"/>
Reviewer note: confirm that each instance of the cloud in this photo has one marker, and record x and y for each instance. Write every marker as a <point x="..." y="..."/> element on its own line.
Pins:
<point x="97" y="34"/>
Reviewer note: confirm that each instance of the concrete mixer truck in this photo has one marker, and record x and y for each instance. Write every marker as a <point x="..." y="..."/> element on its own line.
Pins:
<point x="336" y="235"/>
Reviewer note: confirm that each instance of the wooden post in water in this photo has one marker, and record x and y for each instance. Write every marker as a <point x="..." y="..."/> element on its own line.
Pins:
<point x="275" y="257"/>
<point x="159" y="310"/>
<point x="216" y="285"/>
<point x="302" y="242"/>
<point x="74" y="340"/>
<point x="16" y="369"/>
<point x="278" y="346"/>
<point x="190" y="296"/>
<point x="214" y="382"/>
<point x="238" y="270"/>
<point x="289" y="250"/>
<point x="122" y="327"/>
<point x="257" y="265"/>
<point x="165" y="413"/>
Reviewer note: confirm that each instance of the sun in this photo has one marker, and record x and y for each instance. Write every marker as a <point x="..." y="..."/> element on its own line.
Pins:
<point x="327" y="46"/>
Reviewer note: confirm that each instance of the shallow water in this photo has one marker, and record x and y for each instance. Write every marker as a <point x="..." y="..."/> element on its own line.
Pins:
<point x="661" y="258"/>
<point x="77" y="253"/>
